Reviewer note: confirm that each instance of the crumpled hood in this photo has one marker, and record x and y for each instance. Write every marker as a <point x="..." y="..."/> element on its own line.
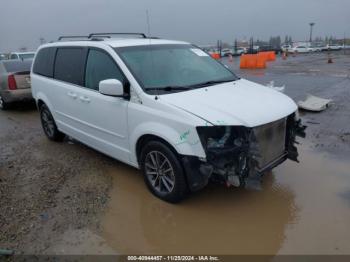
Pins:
<point x="236" y="103"/>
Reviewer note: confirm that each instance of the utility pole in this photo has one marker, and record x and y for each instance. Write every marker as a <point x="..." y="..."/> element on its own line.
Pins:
<point x="311" y="26"/>
<point x="42" y="40"/>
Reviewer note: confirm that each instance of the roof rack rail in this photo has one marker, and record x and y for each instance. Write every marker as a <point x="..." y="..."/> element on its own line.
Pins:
<point x="100" y="36"/>
<point x="72" y="37"/>
<point x="108" y="35"/>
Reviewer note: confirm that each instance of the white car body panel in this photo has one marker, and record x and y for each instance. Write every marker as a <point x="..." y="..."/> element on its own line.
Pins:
<point x="177" y="127"/>
<point x="241" y="103"/>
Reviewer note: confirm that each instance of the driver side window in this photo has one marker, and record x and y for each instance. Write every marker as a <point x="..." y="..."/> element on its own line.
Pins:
<point x="100" y="66"/>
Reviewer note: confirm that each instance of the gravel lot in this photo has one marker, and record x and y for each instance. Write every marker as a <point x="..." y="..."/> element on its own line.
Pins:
<point x="66" y="198"/>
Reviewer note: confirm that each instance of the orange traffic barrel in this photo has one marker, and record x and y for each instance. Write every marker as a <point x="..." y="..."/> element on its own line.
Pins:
<point x="215" y="55"/>
<point x="271" y="56"/>
<point x="252" y="61"/>
<point x="260" y="62"/>
<point x="244" y="61"/>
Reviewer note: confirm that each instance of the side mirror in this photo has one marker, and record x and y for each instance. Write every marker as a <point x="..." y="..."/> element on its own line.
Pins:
<point x="111" y="87"/>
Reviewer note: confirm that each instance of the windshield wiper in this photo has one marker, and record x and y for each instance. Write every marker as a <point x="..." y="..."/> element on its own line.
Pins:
<point x="180" y="88"/>
<point x="209" y="83"/>
<point x="168" y="88"/>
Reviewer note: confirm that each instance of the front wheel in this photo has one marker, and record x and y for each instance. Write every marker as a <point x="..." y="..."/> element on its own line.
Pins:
<point x="163" y="172"/>
<point x="49" y="125"/>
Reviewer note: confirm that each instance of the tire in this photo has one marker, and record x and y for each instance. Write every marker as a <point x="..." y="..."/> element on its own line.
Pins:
<point x="49" y="125"/>
<point x="3" y="105"/>
<point x="163" y="172"/>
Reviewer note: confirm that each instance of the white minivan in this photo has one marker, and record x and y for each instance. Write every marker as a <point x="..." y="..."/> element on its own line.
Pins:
<point x="165" y="107"/>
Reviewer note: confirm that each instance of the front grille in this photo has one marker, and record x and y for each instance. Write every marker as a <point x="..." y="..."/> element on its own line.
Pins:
<point x="271" y="141"/>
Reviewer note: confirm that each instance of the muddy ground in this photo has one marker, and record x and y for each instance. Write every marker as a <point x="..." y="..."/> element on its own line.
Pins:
<point x="64" y="198"/>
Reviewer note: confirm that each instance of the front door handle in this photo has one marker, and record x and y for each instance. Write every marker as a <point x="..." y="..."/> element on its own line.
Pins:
<point x="72" y="95"/>
<point x="84" y="99"/>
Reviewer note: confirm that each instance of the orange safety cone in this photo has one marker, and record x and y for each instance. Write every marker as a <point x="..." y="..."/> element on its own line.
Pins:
<point x="230" y="58"/>
<point x="216" y="56"/>
<point x="330" y="60"/>
<point x="284" y="56"/>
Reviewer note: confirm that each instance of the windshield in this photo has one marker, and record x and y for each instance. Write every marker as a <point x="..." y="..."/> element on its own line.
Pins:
<point x="17" y="65"/>
<point x="170" y="67"/>
<point x="26" y="56"/>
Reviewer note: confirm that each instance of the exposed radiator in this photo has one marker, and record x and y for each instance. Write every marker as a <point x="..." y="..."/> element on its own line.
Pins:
<point x="271" y="141"/>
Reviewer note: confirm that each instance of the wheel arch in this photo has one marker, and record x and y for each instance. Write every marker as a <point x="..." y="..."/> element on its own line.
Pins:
<point x="165" y="133"/>
<point x="144" y="139"/>
<point x="42" y="99"/>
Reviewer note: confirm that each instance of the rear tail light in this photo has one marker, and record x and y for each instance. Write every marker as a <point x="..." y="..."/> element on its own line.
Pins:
<point x="12" y="82"/>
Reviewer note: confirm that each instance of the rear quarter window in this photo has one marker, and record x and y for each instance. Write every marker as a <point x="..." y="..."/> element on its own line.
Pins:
<point x="69" y="65"/>
<point x="44" y="62"/>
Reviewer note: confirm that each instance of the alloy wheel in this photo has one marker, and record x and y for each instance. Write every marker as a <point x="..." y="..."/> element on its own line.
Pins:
<point x="159" y="172"/>
<point x="48" y="123"/>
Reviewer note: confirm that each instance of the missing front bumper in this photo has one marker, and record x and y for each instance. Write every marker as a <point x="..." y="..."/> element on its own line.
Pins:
<point x="235" y="165"/>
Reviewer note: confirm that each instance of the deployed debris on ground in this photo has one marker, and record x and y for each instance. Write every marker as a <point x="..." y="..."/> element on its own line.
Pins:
<point x="314" y="103"/>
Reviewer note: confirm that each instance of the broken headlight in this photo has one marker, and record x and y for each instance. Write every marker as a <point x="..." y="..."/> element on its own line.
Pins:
<point x="221" y="138"/>
<point x="227" y="151"/>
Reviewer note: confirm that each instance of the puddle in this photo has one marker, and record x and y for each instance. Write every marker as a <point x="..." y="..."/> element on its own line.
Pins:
<point x="302" y="209"/>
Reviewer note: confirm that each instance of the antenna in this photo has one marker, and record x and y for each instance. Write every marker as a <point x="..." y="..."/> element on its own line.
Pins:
<point x="148" y="23"/>
<point x="150" y="50"/>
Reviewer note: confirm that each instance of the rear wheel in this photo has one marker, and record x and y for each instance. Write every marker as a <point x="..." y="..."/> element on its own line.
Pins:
<point x="163" y="172"/>
<point x="3" y="105"/>
<point x="49" y="125"/>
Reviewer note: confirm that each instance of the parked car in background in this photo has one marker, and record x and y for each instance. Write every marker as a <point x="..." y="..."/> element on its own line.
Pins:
<point x="239" y="51"/>
<point x="22" y="55"/>
<point x="3" y="56"/>
<point x="253" y="50"/>
<point x="226" y="52"/>
<point x="334" y="47"/>
<point x="299" y="49"/>
<point x="286" y="48"/>
<point x="314" y="48"/>
<point x="180" y="116"/>
<point x="267" y="48"/>
<point x="14" y="82"/>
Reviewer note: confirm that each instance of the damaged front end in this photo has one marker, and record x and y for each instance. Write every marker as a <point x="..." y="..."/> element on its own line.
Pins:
<point x="236" y="155"/>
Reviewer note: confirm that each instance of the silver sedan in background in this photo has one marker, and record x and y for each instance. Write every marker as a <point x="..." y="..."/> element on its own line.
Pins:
<point x="14" y="82"/>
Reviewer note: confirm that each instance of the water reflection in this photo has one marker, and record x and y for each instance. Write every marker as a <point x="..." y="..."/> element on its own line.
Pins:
<point x="215" y="221"/>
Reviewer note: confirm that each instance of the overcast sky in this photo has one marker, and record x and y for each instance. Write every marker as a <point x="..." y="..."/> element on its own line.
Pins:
<point x="23" y="22"/>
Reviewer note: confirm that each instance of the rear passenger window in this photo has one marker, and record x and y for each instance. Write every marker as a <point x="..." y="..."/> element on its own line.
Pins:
<point x="100" y="66"/>
<point x="69" y="65"/>
<point x="44" y="61"/>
